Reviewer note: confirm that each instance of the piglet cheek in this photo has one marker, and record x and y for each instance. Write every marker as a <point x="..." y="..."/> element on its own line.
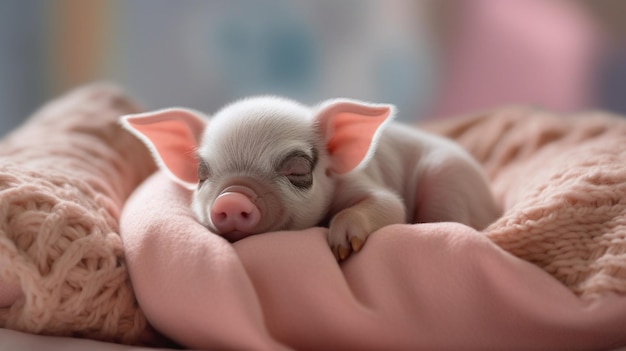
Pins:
<point x="273" y="214"/>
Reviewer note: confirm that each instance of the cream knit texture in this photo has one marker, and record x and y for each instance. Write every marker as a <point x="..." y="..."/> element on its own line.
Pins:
<point x="561" y="180"/>
<point x="64" y="177"/>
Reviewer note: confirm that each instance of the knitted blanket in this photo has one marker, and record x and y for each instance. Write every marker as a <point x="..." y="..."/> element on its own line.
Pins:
<point x="562" y="183"/>
<point x="64" y="177"/>
<point x="550" y="273"/>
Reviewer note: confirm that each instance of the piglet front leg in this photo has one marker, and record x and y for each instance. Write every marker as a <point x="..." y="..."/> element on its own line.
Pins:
<point x="373" y="209"/>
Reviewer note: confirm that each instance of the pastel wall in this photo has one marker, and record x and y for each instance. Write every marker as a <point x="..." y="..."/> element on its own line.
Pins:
<point x="432" y="58"/>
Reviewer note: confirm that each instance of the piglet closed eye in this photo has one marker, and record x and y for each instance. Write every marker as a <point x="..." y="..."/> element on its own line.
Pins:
<point x="267" y="163"/>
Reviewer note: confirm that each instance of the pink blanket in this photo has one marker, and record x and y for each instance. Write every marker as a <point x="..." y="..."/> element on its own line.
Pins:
<point x="549" y="274"/>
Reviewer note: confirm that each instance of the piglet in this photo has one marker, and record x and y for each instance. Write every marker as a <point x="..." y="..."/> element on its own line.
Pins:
<point x="268" y="163"/>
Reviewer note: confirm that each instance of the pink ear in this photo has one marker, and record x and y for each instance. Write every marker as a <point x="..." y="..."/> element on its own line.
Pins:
<point x="351" y="130"/>
<point x="172" y="135"/>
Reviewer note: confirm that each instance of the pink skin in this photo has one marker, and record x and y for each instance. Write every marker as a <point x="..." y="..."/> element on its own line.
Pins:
<point x="234" y="213"/>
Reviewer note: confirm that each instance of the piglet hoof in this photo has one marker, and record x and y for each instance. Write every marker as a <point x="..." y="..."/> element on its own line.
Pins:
<point x="347" y="233"/>
<point x="356" y="243"/>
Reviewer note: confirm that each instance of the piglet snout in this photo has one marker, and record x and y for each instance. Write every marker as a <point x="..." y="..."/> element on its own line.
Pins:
<point x="234" y="211"/>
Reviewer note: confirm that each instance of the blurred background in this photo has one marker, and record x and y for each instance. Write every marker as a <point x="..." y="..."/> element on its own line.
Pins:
<point x="432" y="58"/>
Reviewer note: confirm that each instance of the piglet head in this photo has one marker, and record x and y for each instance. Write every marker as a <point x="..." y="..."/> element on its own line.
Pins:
<point x="261" y="164"/>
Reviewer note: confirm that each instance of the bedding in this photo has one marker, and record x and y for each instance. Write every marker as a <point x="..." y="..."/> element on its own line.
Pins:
<point x="549" y="274"/>
<point x="14" y="340"/>
<point x="561" y="180"/>
<point x="64" y="177"/>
